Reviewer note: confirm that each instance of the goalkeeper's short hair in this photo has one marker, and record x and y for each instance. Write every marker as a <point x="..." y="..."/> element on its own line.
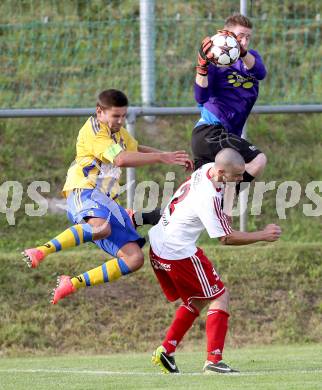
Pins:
<point x="238" y="20"/>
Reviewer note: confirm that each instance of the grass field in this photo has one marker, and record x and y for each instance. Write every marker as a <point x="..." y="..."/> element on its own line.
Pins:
<point x="275" y="298"/>
<point x="278" y="136"/>
<point x="272" y="367"/>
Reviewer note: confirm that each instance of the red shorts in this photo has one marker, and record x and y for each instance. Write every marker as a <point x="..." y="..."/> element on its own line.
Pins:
<point x="193" y="277"/>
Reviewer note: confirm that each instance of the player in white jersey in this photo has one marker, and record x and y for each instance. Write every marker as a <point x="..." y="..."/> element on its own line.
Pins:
<point x="183" y="270"/>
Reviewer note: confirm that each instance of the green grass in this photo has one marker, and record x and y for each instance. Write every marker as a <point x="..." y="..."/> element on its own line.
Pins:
<point x="270" y="367"/>
<point x="61" y="54"/>
<point x="280" y="137"/>
<point x="274" y="298"/>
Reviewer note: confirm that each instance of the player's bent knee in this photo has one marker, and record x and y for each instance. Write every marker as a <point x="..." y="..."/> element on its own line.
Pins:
<point x="101" y="228"/>
<point x="262" y="160"/>
<point x="133" y="256"/>
<point x="135" y="262"/>
<point x="224" y="298"/>
<point x="257" y="165"/>
<point x="100" y="232"/>
<point x="221" y="303"/>
<point x="198" y="304"/>
<point x="259" y="162"/>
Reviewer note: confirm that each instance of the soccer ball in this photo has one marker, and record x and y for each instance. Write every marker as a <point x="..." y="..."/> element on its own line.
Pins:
<point x="225" y="48"/>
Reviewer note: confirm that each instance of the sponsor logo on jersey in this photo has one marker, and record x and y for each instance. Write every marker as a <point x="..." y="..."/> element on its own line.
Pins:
<point x="157" y="265"/>
<point x="237" y="80"/>
<point x="196" y="178"/>
<point x="164" y="220"/>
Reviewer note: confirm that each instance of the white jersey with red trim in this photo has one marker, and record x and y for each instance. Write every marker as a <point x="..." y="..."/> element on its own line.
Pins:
<point x="194" y="207"/>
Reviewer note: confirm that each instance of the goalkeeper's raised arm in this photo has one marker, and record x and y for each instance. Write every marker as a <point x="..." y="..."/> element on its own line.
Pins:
<point x="226" y="96"/>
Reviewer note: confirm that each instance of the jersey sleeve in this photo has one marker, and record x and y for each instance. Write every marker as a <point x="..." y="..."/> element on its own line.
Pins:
<point x="201" y="94"/>
<point x="258" y="71"/>
<point x="130" y="142"/>
<point x="105" y="149"/>
<point x="208" y="209"/>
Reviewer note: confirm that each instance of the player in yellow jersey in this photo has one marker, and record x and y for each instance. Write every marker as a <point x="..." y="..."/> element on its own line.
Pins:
<point x="103" y="147"/>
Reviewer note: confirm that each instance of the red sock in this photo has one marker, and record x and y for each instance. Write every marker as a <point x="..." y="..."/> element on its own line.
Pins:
<point x="216" y="329"/>
<point x="183" y="320"/>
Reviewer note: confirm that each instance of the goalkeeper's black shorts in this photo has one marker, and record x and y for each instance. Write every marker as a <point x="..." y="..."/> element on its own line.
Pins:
<point x="208" y="140"/>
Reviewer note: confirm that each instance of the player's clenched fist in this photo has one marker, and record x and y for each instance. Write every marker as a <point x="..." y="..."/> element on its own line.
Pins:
<point x="189" y="165"/>
<point x="204" y="55"/>
<point x="272" y="232"/>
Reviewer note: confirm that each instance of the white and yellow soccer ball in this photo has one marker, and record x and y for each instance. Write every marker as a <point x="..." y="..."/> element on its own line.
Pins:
<point x="225" y="49"/>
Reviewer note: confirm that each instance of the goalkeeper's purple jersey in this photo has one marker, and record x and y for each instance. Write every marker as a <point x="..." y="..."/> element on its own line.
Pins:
<point x="231" y="94"/>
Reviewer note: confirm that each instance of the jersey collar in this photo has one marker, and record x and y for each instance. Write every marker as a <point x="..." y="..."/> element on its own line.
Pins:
<point x="218" y="189"/>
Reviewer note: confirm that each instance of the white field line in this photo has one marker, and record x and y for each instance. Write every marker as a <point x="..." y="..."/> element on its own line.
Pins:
<point x="137" y="373"/>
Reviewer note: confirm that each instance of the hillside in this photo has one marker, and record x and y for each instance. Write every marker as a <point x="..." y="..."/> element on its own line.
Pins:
<point x="274" y="293"/>
<point x="61" y="54"/>
<point x="42" y="149"/>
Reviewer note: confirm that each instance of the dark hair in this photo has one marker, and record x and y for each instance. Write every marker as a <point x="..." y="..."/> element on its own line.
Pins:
<point x="112" y="98"/>
<point x="238" y="20"/>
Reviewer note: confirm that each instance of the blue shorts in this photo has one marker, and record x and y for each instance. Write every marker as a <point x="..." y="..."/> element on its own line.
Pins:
<point x="84" y="203"/>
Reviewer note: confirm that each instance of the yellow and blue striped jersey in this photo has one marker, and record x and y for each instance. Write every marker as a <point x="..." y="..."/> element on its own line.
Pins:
<point x="96" y="149"/>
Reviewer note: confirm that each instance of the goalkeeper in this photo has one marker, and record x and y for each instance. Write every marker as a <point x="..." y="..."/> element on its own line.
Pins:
<point x="91" y="188"/>
<point x="226" y="97"/>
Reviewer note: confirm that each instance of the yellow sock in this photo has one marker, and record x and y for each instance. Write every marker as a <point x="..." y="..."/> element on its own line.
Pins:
<point x="73" y="236"/>
<point x="107" y="272"/>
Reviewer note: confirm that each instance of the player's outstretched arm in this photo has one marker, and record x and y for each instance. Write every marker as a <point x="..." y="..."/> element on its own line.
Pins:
<point x="137" y="159"/>
<point x="148" y="149"/>
<point x="248" y="60"/>
<point x="270" y="233"/>
<point x="255" y="65"/>
<point x="204" y="55"/>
